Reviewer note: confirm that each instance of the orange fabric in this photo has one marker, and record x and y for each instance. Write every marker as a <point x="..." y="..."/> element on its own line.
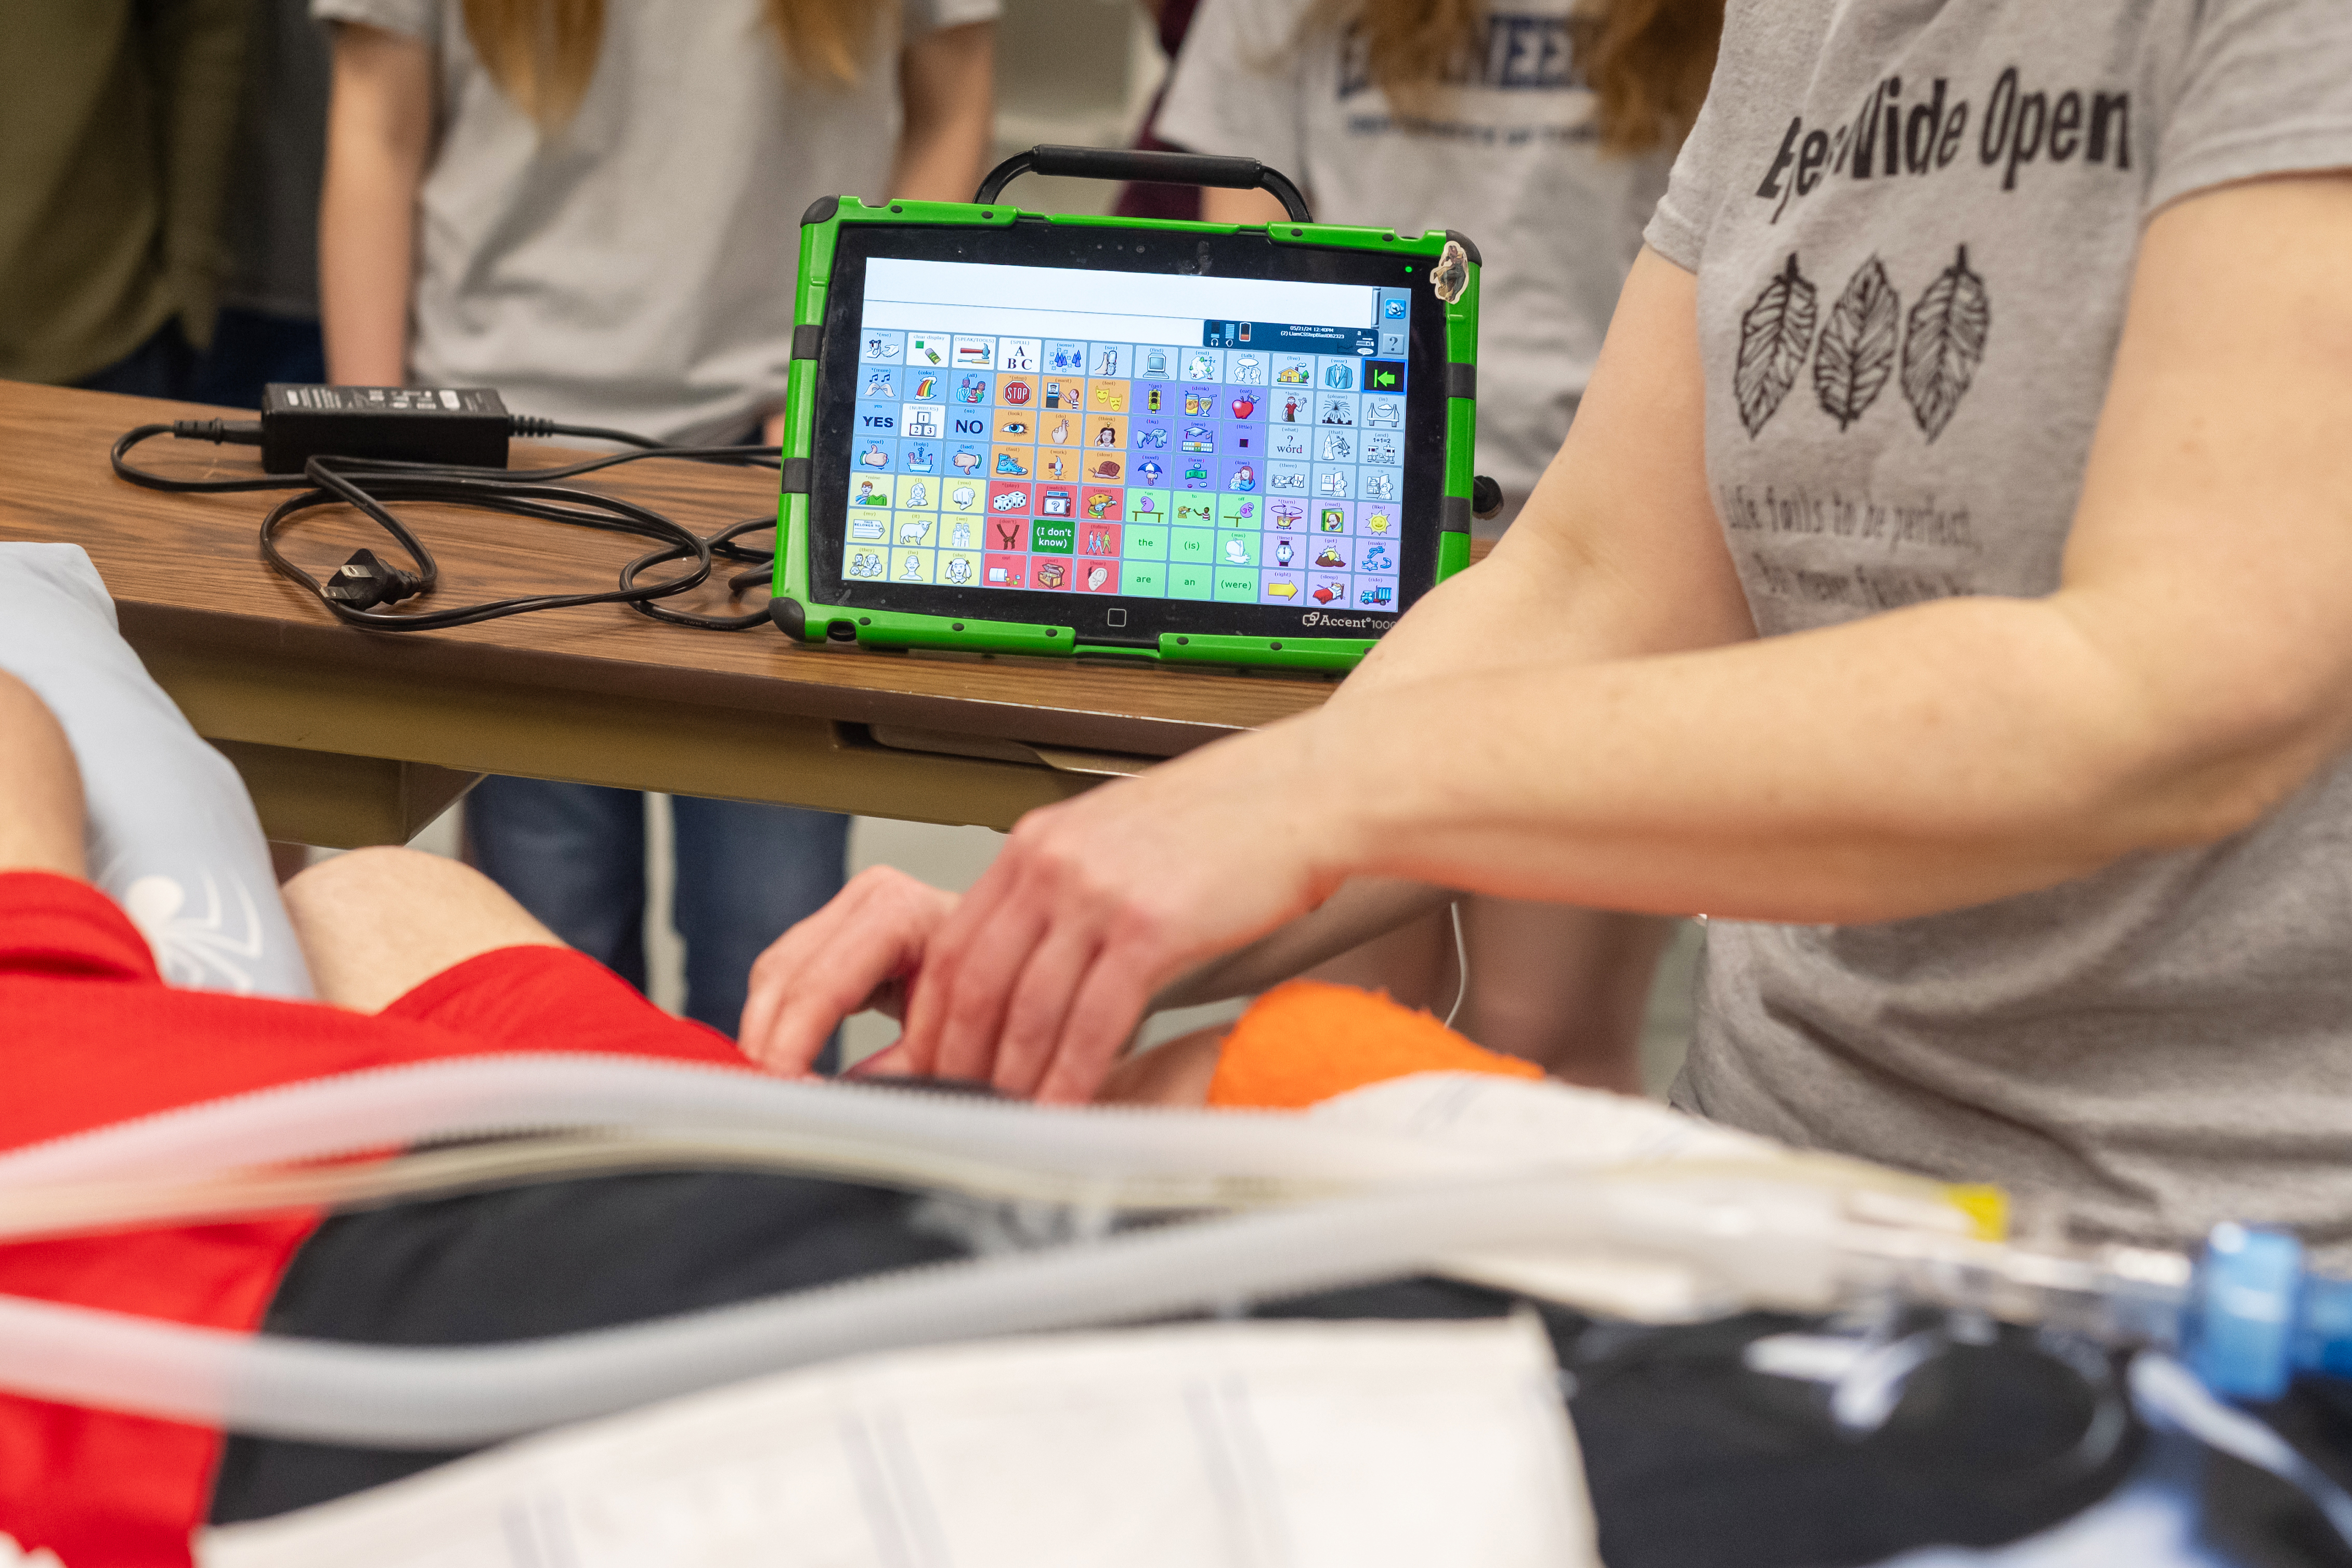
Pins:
<point x="1306" y="1042"/>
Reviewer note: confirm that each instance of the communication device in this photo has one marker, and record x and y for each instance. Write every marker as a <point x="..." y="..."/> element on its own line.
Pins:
<point x="1009" y="432"/>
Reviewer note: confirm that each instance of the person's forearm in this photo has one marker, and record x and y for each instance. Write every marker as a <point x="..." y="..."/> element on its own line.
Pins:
<point x="1919" y="761"/>
<point x="1245" y="209"/>
<point x="1562" y="589"/>
<point x="945" y="166"/>
<point x="366" y="270"/>
<point x="947" y="84"/>
<point x="1554" y="616"/>
<point x="1618" y="553"/>
<point x="366" y="263"/>
<point x="378" y="141"/>
<point x="1365" y="908"/>
<point x="2191" y="673"/>
<point x="1527" y="603"/>
<point x="1449" y="632"/>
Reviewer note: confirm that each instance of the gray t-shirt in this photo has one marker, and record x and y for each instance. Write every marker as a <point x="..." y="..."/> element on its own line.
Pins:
<point x="1508" y="157"/>
<point x="1915" y="228"/>
<point x="636" y="271"/>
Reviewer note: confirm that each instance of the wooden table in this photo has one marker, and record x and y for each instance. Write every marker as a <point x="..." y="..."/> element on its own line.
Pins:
<point x="350" y="738"/>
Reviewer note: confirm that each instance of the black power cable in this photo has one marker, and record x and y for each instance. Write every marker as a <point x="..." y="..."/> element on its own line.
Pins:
<point x="355" y="590"/>
<point x="722" y="546"/>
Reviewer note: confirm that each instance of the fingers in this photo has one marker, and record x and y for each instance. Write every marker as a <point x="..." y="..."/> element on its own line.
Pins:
<point x="1103" y="1015"/>
<point x="1002" y="949"/>
<point x="997" y="1000"/>
<point x="759" y="1035"/>
<point x="841" y="961"/>
<point x="1033" y="1020"/>
<point x="1039" y="975"/>
<point x="958" y="1006"/>
<point x="1000" y="989"/>
<point x="1079" y="1002"/>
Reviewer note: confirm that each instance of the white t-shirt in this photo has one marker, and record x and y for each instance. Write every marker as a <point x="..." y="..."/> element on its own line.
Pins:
<point x="637" y="269"/>
<point x="1509" y="159"/>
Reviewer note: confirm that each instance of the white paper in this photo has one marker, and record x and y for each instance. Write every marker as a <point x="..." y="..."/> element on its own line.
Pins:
<point x="1255" y="1445"/>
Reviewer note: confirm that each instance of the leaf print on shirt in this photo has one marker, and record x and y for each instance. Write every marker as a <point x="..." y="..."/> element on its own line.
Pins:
<point x="1947" y="343"/>
<point x="1775" y="336"/>
<point x="1859" y="345"/>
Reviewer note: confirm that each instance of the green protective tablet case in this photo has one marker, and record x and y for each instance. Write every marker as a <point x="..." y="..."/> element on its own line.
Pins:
<point x="797" y="612"/>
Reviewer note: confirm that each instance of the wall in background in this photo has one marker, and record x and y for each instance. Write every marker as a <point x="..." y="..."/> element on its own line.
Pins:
<point x="1078" y="73"/>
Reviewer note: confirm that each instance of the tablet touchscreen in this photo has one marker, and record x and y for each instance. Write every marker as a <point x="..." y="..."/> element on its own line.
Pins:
<point x="1128" y="434"/>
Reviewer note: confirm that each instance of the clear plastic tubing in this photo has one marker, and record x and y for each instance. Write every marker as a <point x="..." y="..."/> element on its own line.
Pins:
<point x="358" y="1113"/>
<point x="2254" y="1314"/>
<point x="437" y="1399"/>
<point x="432" y="1398"/>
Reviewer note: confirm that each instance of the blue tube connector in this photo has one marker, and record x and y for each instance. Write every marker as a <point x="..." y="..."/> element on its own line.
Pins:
<point x="2257" y="1318"/>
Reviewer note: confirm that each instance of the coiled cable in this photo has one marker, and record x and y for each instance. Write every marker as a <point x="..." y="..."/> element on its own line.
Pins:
<point x="360" y="593"/>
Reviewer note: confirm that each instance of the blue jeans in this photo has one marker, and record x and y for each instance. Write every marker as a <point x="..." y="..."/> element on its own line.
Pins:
<point x="250" y="350"/>
<point x="574" y="855"/>
<point x="163" y="366"/>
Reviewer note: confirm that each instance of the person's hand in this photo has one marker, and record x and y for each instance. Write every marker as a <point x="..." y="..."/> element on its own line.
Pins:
<point x="854" y="954"/>
<point x="1039" y="977"/>
<point x="772" y="429"/>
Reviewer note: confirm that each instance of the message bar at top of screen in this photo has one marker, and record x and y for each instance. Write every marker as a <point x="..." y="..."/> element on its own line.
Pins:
<point x="1078" y="291"/>
<point x="983" y="321"/>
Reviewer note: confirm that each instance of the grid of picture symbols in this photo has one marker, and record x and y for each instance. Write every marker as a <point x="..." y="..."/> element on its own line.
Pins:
<point x="1058" y="465"/>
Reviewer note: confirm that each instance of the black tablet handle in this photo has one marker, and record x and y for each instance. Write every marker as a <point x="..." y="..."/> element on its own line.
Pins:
<point x="1151" y="168"/>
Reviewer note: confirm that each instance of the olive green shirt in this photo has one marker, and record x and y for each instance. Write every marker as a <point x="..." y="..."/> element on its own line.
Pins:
<point x="116" y="117"/>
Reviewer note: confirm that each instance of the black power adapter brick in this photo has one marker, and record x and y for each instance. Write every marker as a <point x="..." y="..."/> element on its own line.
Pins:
<point x="459" y="426"/>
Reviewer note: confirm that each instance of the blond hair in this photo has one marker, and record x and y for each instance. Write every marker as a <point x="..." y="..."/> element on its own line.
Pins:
<point x="542" y="53"/>
<point x="1649" y="61"/>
